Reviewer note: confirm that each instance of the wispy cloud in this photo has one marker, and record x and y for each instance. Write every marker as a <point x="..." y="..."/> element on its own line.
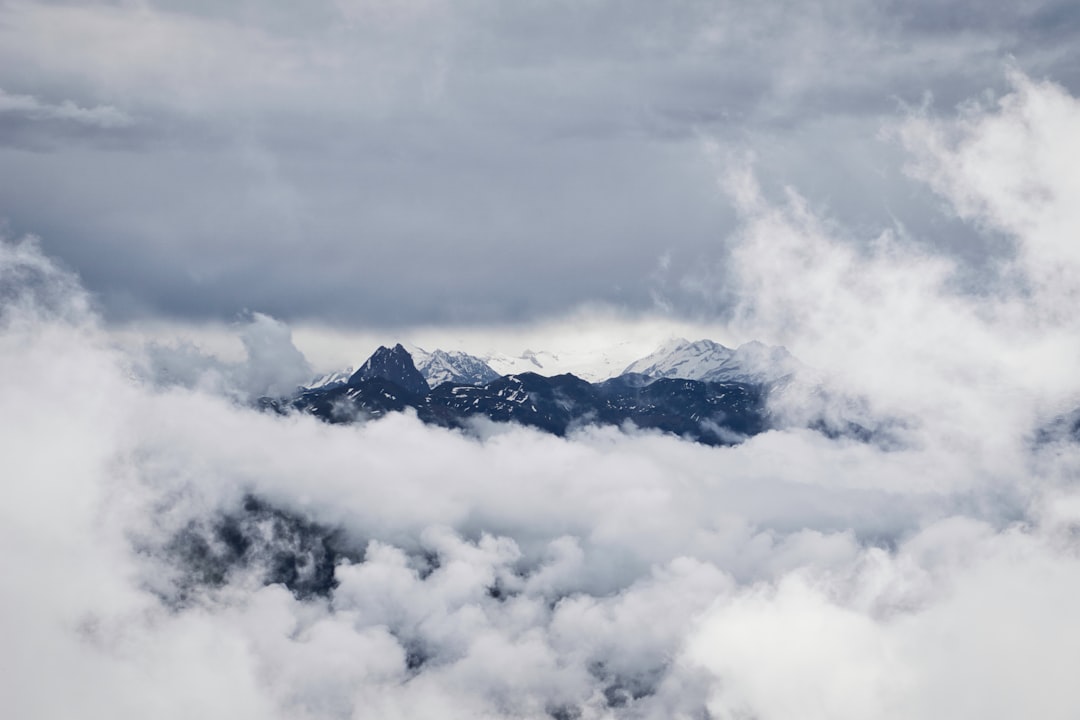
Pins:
<point x="30" y="107"/>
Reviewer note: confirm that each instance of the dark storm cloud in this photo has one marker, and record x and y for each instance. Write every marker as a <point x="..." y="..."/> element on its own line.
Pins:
<point x="373" y="162"/>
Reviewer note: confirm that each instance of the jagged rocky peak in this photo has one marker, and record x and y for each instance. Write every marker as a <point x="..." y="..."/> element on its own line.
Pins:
<point x="394" y="364"/>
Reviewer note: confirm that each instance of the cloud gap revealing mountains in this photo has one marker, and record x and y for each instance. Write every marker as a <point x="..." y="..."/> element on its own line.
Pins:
<point x="701" y="391"/>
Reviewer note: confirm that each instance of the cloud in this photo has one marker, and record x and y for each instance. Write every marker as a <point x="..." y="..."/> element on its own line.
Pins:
<point x="607" y="574"/>
<point x="1003" y="166"/>
<point x="891" y="317"/>
<point x="102" y="116"/>
<point x="976" y="648"/>
<point x="272" y="365"/>
<point x="384" y="164"/>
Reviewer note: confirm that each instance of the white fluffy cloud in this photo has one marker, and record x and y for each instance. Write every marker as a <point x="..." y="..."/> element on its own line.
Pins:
<point x="271" y="366"/>
<point x="604" y="575"/>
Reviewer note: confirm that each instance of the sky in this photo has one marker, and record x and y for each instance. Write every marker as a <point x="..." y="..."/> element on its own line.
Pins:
<point x="377" y="165"/>
<point x="892" y="196"/>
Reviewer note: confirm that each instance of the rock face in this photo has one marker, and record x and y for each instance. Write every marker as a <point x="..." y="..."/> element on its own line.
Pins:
<point x="393" y="364"/>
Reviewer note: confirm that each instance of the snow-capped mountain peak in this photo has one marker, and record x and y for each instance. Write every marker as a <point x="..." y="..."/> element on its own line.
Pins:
<point x="680" y="358"/>
<point x="710" y="361"/>
<point x="441" y="366"/>
<point x="591" y="365"/>
<point x="528" y="361"/>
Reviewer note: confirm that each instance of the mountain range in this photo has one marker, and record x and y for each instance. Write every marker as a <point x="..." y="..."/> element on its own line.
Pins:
<point x="701" y="391"/>
<point x="436" y="367"/>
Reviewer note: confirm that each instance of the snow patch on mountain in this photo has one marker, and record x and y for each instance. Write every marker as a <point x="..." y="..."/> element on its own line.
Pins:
<point x="332" y="379"/>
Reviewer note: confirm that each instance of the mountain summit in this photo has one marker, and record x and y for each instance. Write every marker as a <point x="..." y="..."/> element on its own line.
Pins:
<point x="709" y="361"/>
<point x="442" y="366"/>
<point x="394" y="364"/>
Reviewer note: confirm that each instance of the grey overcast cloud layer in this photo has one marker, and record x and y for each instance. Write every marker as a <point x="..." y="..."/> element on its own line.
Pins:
<point x="395" y="162"/>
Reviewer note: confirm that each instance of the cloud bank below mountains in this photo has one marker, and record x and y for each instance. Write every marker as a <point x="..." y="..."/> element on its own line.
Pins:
<point x="604" y="575"/>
